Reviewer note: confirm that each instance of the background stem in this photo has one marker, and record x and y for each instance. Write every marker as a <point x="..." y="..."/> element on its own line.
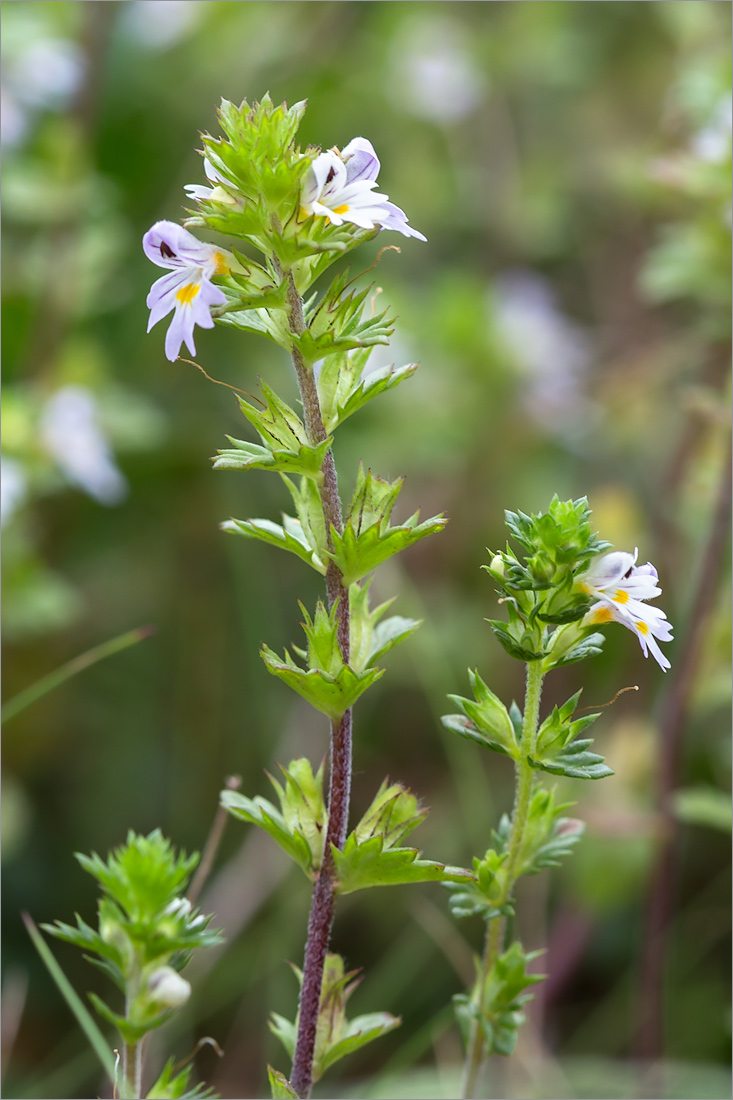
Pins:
<point x="660" y="902"/>
<point x="496" y="927"/>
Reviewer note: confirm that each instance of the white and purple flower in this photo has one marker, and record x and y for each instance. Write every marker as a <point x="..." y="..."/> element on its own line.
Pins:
<point x="340" y="187"/>
<point x="621" y="586"/>
<point x="188" y="288"/>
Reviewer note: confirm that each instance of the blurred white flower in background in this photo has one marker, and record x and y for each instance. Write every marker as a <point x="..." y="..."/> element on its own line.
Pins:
<point x="159" y="24"/>
<point x="71" y="433"/>
<point x="712" y="142"/>
<point x="14" y="120"/>
<point x="13" y="488"/>
<point x="39" y="73"/>
<point x="47" y="73"/>
<point x="433" y="73"/>
<point x="551" y="350"/>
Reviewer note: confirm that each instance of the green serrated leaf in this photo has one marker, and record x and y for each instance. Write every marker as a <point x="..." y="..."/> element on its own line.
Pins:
<point x="344" y="388"/>
<point x="280" y="1087"/>
<point x="558" y="730"/>
<point x="369" y="638"/>
<point x="332" y="695"/>
<point x="357" y="555"/>
<point x="548" y="836"/>
<point x="588" y="647"/>
<point x="306" y="460"/>
<point x="575" y="762"/>
<point x="484" y="894"/>
<point x="464" y="727"/>
<point x="498" y="1005"/>
<point x="175" y="1086"/>
<point x="514" y="647"/>
<point x="370" y="864"/>
<point x="358" y="1032"/>
<point x="336" y="324"/>
<point x="258" y="811"/>
<point x="284" y="1030"/>
<point x="484" y="720"/>
<point x="393" y="814"/>
<point x="260" y="321"/>
<point x="287" y="536"/>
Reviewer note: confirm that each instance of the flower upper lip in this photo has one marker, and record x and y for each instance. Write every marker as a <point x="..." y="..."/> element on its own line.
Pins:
<point x="340" y="187"/>
<point x="187" y="288"/>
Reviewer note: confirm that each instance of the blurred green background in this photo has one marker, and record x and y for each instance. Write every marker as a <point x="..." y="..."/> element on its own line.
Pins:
<point x="570" y="166"/>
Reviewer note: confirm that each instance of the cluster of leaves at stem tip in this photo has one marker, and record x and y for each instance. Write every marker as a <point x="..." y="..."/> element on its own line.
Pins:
<point x="147" y="931"/>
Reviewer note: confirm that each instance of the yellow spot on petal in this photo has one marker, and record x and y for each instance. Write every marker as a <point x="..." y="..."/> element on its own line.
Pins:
<point x="187" y="293"/>
<point x="222" y="267"/>
<point x="341" y="209"/>
<point x="621" y="596"/>
<point x="642" y="628"/>
<point x="602" y="615"/>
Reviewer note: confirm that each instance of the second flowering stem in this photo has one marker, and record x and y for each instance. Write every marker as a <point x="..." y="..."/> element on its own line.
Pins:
<point x="496" y="927"/>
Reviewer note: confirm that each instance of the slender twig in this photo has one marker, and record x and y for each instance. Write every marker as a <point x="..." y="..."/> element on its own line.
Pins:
<point x="496" y="927"/>
<point x="59" y="676"/>
<point x="320" y="921"/>
<point x="232" y="783"/>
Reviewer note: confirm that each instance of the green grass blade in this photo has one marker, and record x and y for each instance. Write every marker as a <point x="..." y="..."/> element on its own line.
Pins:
<point x="79" y="1009"/>
<point x="48" y="683"/>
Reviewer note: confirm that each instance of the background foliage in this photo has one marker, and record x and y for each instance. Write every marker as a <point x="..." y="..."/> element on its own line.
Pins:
<point x="569" y="164"/>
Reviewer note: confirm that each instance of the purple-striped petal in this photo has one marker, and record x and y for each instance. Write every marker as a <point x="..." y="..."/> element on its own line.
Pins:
<point x="170" y="245"/>
<point x="361" y="160"/>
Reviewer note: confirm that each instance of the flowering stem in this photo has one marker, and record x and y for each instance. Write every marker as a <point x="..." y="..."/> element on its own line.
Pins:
<point x="320" y="921"/>
<point x="496" y="927"/>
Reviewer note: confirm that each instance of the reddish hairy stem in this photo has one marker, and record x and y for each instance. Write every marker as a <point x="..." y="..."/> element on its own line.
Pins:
<point x="320" y="921"/>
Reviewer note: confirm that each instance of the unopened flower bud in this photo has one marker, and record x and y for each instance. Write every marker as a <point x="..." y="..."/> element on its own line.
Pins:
<point x="167" y="987"/>
<point x="497" y="565"/>
<point x="179" y="907"/>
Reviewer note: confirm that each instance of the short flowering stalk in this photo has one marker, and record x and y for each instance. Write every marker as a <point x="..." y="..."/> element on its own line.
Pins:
<point x="546" y="590"/>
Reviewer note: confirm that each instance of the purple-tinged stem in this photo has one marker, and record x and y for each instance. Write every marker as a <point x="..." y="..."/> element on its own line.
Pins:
<point x="320" y="921"/>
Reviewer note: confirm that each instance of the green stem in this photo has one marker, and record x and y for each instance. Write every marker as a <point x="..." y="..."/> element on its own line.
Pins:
<point x="496" y="927"/>
<point x="132" y="1069"/>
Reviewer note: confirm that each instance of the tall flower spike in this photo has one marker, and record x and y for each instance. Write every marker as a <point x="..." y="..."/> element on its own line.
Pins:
<point x="188" y="289"/>
<point x="620" y="587"/>
<point x="340" y="187"/>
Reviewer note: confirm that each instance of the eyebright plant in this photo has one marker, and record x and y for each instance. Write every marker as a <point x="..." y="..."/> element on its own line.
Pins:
<point x="147" y="931"/>
<point x="288" y="215"/>
<point x="546" y="589"/>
